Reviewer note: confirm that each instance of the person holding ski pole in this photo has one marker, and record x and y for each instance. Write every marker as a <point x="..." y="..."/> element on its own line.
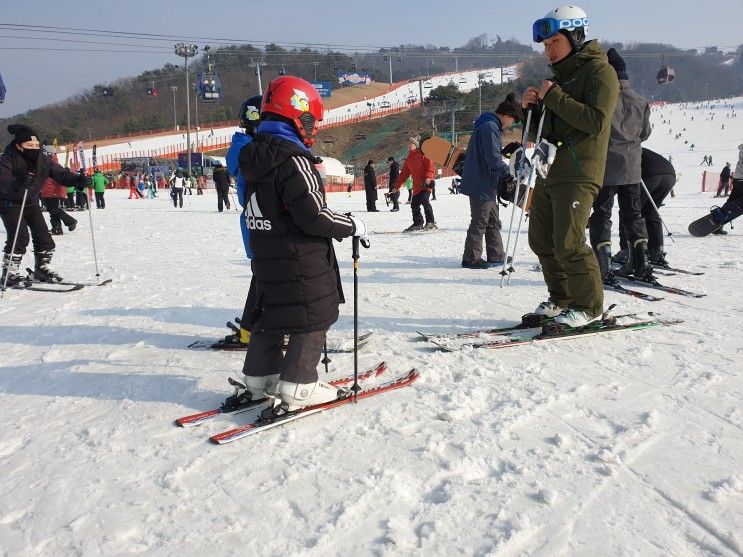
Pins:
<point x="578" y="103"/>
<point x="297" y="279"/>
<point x="23" y="172"/>
<point x="483" y="179"/>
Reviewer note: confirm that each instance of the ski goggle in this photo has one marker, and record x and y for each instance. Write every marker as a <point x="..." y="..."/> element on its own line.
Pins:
<point x="547" y="27"/>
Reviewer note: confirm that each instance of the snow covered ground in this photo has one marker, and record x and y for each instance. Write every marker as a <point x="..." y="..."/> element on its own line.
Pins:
<point x="620" y="444"/>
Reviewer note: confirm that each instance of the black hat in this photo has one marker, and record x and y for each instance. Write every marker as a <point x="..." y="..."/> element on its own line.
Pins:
<point x="21" y="132"/>
<point x="617" y="62"/>
<point x="510" y="107"/>
<point x="390" y="159"/>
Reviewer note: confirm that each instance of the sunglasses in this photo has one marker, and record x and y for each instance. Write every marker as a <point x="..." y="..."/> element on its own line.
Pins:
<point x="547" y="27"/>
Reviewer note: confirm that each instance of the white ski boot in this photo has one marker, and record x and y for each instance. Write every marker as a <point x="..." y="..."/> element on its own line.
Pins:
<point x="548" y="309"/>
<point x="298" y="395"/>
<point x="575" y="318"/>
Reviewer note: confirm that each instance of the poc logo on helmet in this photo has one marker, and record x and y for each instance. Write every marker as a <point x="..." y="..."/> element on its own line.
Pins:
<point x="572" y="23"/>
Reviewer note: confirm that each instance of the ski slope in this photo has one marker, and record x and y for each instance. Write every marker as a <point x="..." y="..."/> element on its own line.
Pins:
<point x="622" y="444"/>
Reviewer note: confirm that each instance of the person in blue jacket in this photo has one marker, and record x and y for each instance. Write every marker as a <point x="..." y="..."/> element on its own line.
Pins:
<point x="485" y="173"/>
<point x="250" y="117"/>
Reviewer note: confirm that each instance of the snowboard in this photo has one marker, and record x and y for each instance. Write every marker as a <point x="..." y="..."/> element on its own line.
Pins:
<point x="715" y="219"/>
<point x="443" y="153"/>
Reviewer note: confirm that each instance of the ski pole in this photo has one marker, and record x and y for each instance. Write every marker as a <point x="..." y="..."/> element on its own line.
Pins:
<point x="652" y="201"/>
<point x="529" y="186"/>
<point x="325" y="359"/>
<point x="15" y="239"/>
<point x="519" y="174"/>
<point x="355" y="254"/>
<point x="92" y="236"/>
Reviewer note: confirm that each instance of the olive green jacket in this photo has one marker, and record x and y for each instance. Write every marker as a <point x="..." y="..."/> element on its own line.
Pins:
<point x="579" y="109"/>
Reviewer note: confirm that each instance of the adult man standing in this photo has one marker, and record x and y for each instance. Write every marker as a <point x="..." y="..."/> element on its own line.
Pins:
<point x="221" y="177"/>
<point x="630" y="126"/>
<point x="484" y="173"/>
<point x="370" y="186"/>
<point x="99" y="187"/>
<point x="578" y="103"/>
<point x="393" y="195"/>
<point x="420" y="168"/>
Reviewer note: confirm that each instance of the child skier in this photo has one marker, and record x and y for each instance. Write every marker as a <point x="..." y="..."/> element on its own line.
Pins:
<point x="297" y="281"/>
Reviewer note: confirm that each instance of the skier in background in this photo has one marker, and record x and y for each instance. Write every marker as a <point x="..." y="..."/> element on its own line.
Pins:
<point x="177" y="183"/>
<point x="392" y="194"/>
<point x="724" y="184"/>
<point x="297" y="279"/>
<point x="221" y="177"/>
<point x="99" y="187"/>
<point x="24" y="169"/>
<point x="370" y="187"/>
<point x="579" y="101"/>
<point x="420" y="168"/>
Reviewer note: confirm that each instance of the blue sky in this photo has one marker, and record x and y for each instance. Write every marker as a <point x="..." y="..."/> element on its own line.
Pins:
<point x="38" y="77"/>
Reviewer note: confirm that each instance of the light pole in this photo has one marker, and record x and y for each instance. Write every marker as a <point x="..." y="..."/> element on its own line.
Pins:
<point x="187" y="51"/>
<point x="257" y="66"/>
<point x="389" y="59"/>
<point x="196" y="107"/>
<point x="175" y="120"/>
<point x="315" y="63"/>
<point x="479" y="92"/>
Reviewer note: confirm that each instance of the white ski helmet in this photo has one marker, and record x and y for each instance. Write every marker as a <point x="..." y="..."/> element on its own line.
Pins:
<point x="571" y="20"/>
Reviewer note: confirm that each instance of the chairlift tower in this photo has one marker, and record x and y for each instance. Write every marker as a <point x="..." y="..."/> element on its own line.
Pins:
<point x="187" y="51"/>
<point x="257" y="65"/>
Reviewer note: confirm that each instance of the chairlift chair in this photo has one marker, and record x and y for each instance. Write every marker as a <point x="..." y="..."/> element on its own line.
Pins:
<point x="666" y="74"/>
<point x="210" y="87"/>
<point x="152" y="90"/>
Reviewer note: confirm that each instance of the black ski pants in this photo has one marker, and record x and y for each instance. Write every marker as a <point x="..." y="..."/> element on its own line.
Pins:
<point x="100" y="201"/>
<point x="299" y="365"/>
<point x="57" y="214"/>
<point x="31" y="219"/>
<point x="484" y="221"/>
<point x="421" y="199"/>
<point x="394" y="196"/>
<point x="630" y="214"/>
<point x="223" y="197"/>
<point x="81" y="199"/>
<point x="659" y="187"/>
<point x="736" y="196"/>
<point x="177" y="195"/>
<point x="70" y="200"/>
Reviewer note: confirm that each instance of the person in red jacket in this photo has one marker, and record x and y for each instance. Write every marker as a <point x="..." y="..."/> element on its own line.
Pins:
<point x="54" y="194"/>
<point x="421" y="169"/>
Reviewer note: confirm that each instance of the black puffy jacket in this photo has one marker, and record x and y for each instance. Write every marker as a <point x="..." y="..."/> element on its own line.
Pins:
<point x="15" y="177"/>
<point x="291" y="230"/>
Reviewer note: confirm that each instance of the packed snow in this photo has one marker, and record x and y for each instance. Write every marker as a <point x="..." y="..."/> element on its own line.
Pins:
<point x="627" y="443"/>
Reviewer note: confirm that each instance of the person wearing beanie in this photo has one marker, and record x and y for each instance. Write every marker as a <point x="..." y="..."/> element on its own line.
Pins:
<point x="23" y="171"/>
<point x="421" y="169"/>
<point x="630" y="126"/>
<point x="483" y="177"/>
<point x="576" y="105"/>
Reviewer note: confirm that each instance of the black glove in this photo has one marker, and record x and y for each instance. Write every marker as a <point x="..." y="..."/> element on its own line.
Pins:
<point x="85" y="182"/>
<point x="26" y="181"/>
<point x="506" y="190"/>
<point x="429" y="184"/>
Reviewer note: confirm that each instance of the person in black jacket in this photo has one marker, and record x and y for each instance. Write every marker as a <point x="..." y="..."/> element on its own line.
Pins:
<point x="297" y="281"/>
<point x="23" y="172"/>
<point x="724" y="181"/>
<point x="393" y="194"/>
<point x="221" y="179"/>
<point x="370" y="185"/>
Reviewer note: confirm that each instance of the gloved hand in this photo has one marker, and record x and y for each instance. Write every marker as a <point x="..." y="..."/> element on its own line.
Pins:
<point x="85" y="181"/>
<point x="543" y="157"/>
<point x="26" y="181"/>
<point x="429" y="184"/>
<point x="506" y="189"/>
<point x="359" y="228"/>
<point x="514" y="166"/>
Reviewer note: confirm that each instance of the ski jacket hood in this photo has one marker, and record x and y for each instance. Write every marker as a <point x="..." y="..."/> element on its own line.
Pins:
<point x="281" y="129"/>
<point x="485" y="117"/>
<point x="579" y="109"/>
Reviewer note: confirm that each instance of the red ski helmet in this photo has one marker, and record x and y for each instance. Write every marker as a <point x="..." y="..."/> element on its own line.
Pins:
<point x="296" y="100"/>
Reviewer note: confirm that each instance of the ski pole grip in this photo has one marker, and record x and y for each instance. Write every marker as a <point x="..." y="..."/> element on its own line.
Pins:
<point x="355" y="247"/>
